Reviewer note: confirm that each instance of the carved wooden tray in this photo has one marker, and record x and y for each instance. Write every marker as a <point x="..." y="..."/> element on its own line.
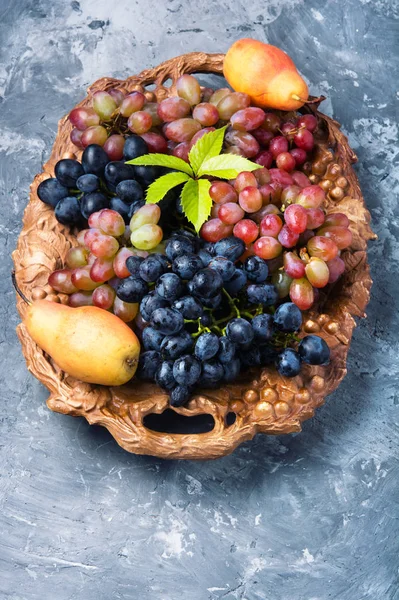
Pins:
<point x="263" y="401"/>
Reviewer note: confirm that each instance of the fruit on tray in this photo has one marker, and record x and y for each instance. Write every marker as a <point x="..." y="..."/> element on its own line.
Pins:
<point x="266" y="74"/>
<point x="88" y="343"/>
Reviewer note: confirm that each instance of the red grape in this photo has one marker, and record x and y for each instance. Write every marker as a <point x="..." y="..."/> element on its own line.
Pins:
<point x="206" y="93"/>
<point x="322" y="247"/>
<point x="296" y="218"/>
<point x="155" y="142"/>
<point x="243" y="180"/>
<point x="287" y="237"/>
<point x="301" y="293"/>
<point x="234" y="150"/>
<point x="218" y="95"/>
<point x="173" y="108"/>
<point x="289" y="194"/>
<point x="104" y="297"/>
<point x="268" y="193"/>
<point x="200" y="134"/>
<point x="215" y="210"/>
<point x="336" y="267"/>
<point x="114" y="146"/>
<point x="243" y="140"/>
<point x="230" y="213"/>
<point x="181" y="130"/>
<point x="76" y="257"/>
<point x="222" y="192"/>
<point x="80" y="299"/>
<point x="262" y="176"/>
<point x="250" y="199"/>
<point x="82" y="118"/>
<point x="214" y="230"/>
<point x="308" y="121"/>
<point x="299" y="156"/>
<point x="300" y="179"/>
<point x="247" y="119"/>
<point x="126" y="311"/>
<point x="262" y="136"/>
<point x="76" y="138"/>
<point x="182" y="150"/>
<point x="288" y="130"/>
<point x="269" y="209"/>
<point x="281" y="177"/>
<point x="285" y="161"/>
<point x="278" y="145"/>
<point x="91" y="235"/>
<point x="117" y="95"/>
<point x="264" y="158"/>
<point x="132" y="103"/>
<point x="81" y="279"/>
<point x="246" y="230"/>
<point x="304" y="139"/>
<point x="61" y="281"/>
<point x="94" y="220"/>
<point x="94" y="135"/>
<point x="311" y="196"/>
<point x="272" y="122"/>
<point x="315" y="218"/>
<point x="305" y="237"/>
<point x="340" y="235"/>
<point x="336" y="219"/>
<point x="104" y="246"/>
<point x="293" y="265"/>
<point x="187" y="87"/>
<point x="206" y="113"/>
<point x="152" y="109"/>
<point x="270" y="225"/>
<point x="119" y="262"/>
<point x="111" y="223"/>
<point x="231" y="104"/>
<point x="317" y="272"/>
<point x="267" y="247"/>
<point x="80" y="237"/>
<point x="104" y="105"/>
<point x="139" y="122"/>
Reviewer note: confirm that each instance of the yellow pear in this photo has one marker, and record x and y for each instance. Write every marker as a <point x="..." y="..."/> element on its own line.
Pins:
<point x="88" y="343"/>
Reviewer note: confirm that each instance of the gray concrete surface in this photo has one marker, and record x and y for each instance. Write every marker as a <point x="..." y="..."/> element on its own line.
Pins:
<point x="307" y="517"/>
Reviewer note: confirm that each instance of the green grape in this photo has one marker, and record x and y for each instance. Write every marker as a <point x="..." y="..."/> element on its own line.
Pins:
<point x="147" y="214"/>
<point x="126" y="311"/>
<point x="218" y="95"/>
<point x="104" y="105"/>
<point x="231" y="103"/>
<point x="187" y="87"/>
<point x="282" y="283"/>
<point x="76" y="257"/>
<point x="146" y="237"/>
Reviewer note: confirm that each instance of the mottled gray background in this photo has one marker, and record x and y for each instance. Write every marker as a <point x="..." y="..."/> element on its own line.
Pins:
<point x="307" y="517"/>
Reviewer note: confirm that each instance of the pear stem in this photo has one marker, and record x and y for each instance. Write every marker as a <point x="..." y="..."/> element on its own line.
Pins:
<point x="314" y="101"/>
<point x="17" y="289"/>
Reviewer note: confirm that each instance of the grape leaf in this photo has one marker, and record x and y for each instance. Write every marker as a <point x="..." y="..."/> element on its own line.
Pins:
<point x="196" y="201"/>
<point x="208" y="145"/>
<point x="157" y="190"/>
<point x="162" y="160"/>
<point x="226" y="166"/>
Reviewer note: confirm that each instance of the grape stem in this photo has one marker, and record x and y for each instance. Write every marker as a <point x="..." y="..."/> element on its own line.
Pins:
<point x="18" y="290"/>
<point x="232" y="303"/>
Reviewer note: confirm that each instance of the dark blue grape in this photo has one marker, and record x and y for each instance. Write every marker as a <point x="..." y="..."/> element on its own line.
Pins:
<point x="206" y="283"/>
<point x="256" y="269"/>
<point x="117" y="171"/>
<point x="250" y="357"/>
<point x="169" y="286"/>
<point x="151" y="269"/>
<point x="129" y="190"/>
<point x="179" y="245"/>
<point x="186" y="265"/>
<point x="263" y="327"/>
<point x="213" y="302"/>
<point x="149" y="363"/>
<point x="174" y="346"/>
<point x="167" y="321"/>
<point x="205" y="257"/>
<point x="51" y="191"/>
<point x="206" y="320"/>
<point x="93" y="202"/>
<point x="188" y="234"/>
<point x="208" y="247"/>
<point x="268" y="354"/>
<point x="223" y="266"/>
<point x="152" y="339"/>
<point x="68" y="212"/>
<point x="67" y="171"/>
<point x="189" y="307"/>
<point x="179" y="395"/>
<point x="132" y="289"/>
<point x="262" y="293"/>
<point x="230" y="247"/>
<point x="187" y="370"/>
<point x="146" y="175"/>
<point x="227" y="350"/>
<point x="134" y="207"/>
<point x="134" y="147"/>
<point x="120" y="207"/>
<point x="88" y="183"/>
<point x="162" y="259"/>
<point x="133" y="264"/>
<point x="206" y="346"/>
<point x="232" y="370"/>
<point x="288" y="363"/>
<point x="288" y="317"/>
<point x="314" y="350"/>
<point x="151" y="302"/>
<point x="239" y="331"/>
<point x="164" y="375"/>
<point x="212" y="373"/>
<point x="236" y="283"/>
<point x="94" y="160"/>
